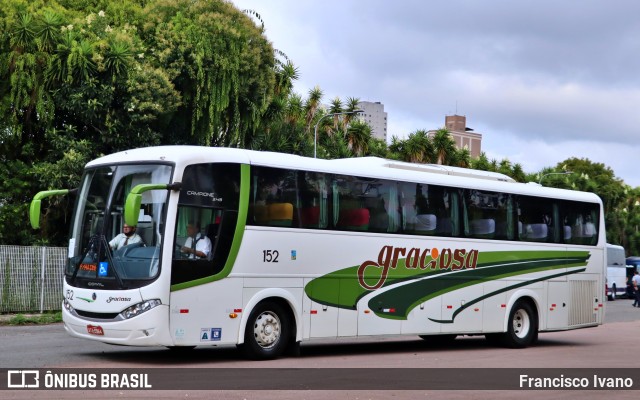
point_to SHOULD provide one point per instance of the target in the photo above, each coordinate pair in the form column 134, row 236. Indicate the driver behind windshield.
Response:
column 127, row 237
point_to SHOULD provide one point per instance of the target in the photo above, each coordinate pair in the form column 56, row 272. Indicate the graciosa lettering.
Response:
column 415, row 258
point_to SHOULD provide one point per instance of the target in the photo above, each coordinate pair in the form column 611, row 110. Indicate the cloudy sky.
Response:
column 541, row 80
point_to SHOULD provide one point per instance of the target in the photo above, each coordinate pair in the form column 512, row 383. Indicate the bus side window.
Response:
column 580, row 223
column 536, row 219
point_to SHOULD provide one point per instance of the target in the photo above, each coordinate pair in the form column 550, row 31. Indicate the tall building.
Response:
column 376, row 117
column 462, row 134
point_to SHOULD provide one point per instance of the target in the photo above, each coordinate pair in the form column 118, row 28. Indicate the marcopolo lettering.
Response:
column 416, row 258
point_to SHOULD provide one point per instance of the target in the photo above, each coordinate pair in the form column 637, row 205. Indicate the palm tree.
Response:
column 481, row 163
column 49, row 30
column 285, row 75
column 358, row 137
column 396, row 148
column 418, row 148
column 311, row 107
column 275, row 111
column 352, row 105
column 517, row 173
column 378, row 148
column 505, row 167
column 493, row 165
column 463, row 158
column 336, row 108
column 337, row 147
column 445, row 146
column 295, row 109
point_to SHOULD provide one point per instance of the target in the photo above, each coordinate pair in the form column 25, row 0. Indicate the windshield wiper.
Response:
column 90, row 247
column 110, row 260
column 95, row 256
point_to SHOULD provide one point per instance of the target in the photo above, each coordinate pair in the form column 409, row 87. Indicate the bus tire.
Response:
column 522, row 326
column 267, row 333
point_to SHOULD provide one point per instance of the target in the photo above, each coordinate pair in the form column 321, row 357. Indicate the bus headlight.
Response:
column 140, row 308
column 67, row 306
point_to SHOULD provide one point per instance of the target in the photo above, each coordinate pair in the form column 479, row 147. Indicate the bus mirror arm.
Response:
column 36, row 203
column 134, row 199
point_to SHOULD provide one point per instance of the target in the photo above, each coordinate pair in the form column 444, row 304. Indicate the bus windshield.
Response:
column 103, row 252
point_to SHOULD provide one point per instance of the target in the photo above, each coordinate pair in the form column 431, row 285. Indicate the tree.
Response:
column 311, row 107
column 481, row 163
column 629, row 212
column 418, row 148
column 220, row 62
column 504, row 167
column 378, row 148
column 597, row 178
column 444, row 147
column 518, row 173
column 83, row 78
column 462, row 158
column 359, row 137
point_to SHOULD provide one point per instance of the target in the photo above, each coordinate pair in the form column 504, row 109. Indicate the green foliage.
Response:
column 358, row 137
column 220, row 63
column 40, row 319
column 15, row 187
column 83, row 78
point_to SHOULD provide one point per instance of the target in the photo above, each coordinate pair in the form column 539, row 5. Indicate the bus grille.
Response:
column 92, row 315
column 583, row 302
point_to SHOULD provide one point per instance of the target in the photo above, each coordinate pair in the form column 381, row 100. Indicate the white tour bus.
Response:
column 616, row 271
column 289, row 249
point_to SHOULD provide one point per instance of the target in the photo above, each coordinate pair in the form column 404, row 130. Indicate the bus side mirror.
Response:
column 134, row 199
column 36, row 203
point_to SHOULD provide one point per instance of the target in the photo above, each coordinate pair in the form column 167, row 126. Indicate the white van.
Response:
column 616, row 271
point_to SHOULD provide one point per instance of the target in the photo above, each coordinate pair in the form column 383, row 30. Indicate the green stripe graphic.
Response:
column 342, row 289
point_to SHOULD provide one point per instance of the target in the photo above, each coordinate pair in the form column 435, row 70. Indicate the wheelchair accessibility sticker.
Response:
column 210, row 334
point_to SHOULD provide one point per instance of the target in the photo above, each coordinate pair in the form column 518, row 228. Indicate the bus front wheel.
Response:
column 267, row 333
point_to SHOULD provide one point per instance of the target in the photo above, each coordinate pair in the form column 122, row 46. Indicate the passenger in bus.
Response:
column 127, row 237
column 197, row 245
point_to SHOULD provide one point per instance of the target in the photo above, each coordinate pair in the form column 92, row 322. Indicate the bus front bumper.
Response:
column 147, row 329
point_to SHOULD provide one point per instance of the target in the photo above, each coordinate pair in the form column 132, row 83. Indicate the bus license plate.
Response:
column 95, row 330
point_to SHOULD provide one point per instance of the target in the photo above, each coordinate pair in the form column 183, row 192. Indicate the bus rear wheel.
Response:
column 267, row 333
column 522, row 326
